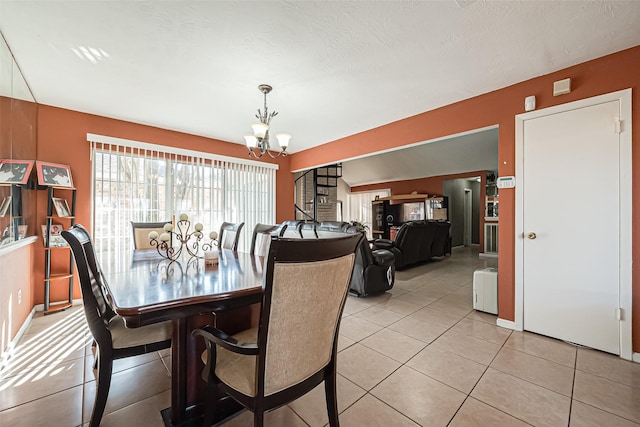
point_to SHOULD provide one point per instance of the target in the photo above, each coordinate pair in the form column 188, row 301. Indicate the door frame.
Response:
column 467, row 204
column 626, row 196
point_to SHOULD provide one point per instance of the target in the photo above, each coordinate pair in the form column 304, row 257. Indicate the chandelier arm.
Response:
column 280, row 153
column 253, row 154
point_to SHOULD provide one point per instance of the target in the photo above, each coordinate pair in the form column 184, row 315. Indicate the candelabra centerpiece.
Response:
column 189, row 242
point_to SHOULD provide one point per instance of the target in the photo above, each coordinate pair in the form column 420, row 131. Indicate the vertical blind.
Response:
column 359, row 206
column 142, row 182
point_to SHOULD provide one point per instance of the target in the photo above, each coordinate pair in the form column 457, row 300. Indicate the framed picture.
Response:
column 62, row 208
column 15, row 171
column 6, row 236
column 54, row 175
column 55, row 238
column 4, row 207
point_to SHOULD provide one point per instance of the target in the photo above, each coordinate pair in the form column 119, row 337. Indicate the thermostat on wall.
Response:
column 506, row 182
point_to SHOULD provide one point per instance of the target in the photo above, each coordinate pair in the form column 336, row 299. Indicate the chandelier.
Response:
column 258, row 143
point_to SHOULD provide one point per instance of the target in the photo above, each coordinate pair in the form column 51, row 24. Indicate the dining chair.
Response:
column 141, row 232
column 261, row 239
column 290, row 228
column 294, row 347
column 114, row 340
column 229, row 235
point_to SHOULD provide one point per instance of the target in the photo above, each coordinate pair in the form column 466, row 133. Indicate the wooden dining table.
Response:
column 145, row 288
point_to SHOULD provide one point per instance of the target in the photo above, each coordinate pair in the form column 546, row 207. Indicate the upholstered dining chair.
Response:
column 141, row 232
column 113, row 339
column 290, row 228
column 229, row 235
column 294, row 347
column 261, row 239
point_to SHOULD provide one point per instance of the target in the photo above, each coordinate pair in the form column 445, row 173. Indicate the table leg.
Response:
column 178, row 370
column 187, row 387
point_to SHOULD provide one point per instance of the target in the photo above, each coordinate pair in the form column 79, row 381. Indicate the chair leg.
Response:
column 211, row 397
column 331, row 395
column 258, row 418
column 104, row 382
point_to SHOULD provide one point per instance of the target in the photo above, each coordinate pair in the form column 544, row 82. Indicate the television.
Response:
column 413, row 211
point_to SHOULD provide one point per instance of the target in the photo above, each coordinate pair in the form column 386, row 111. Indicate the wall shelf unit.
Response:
column 55, row 247
column 491, row 217
column 390, row 212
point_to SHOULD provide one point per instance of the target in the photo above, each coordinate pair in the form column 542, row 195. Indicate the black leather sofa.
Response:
column 373, row 271
column 417, row 241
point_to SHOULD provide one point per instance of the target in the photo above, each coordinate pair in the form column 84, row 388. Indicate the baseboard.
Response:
column 636, row 357
column 40, row 307
column 8, row 352
column 509, row 324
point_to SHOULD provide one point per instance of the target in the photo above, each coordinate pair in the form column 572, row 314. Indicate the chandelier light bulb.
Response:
column 283, row 140
column 260, row 129
column 252, row 141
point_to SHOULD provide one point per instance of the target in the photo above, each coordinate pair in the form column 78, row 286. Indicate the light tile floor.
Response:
column 417, row 355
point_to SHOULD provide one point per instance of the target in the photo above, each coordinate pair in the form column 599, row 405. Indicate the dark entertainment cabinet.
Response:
column 387, row 213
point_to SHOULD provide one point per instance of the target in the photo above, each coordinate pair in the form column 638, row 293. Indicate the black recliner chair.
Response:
column 373, row 271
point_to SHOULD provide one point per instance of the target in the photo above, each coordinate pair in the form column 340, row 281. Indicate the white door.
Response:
column 571, row 226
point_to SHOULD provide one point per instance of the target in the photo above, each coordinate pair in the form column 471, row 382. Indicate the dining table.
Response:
column 145, row 288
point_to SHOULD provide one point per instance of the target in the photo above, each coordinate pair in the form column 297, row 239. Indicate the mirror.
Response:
column 18, row 123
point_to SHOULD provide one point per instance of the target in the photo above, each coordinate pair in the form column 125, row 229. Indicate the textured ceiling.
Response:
column 337, row 67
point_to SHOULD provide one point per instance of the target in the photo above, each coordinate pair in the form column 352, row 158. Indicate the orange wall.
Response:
column 16, row 267
column 603, row 75
column 62, row 138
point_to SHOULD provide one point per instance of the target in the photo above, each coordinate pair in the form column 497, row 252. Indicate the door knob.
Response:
column 531, row 235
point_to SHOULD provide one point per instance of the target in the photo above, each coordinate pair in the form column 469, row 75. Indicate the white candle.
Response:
column 168, row 227
column 213, row 235
column 153, row 235
column 165, row 237
column 184, row 217
column 199, row 227
column 197, row 234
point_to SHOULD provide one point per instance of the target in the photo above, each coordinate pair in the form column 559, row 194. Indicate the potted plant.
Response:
column 360, row 225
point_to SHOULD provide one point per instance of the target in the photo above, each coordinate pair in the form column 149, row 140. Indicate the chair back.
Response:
column 141, row 232
column 261, row 239
column 229, row 235
column 306, row 283
column 290, row 229
column 97, row 309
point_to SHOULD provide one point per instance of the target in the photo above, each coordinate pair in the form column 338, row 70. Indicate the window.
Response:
column 359, row 206
column 143, row 182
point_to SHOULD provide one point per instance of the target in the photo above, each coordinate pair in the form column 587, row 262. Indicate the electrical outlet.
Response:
column 19, row 296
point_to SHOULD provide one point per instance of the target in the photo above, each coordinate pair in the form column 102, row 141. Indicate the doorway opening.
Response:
column 464, row 210
column 468, row 217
